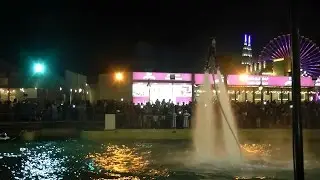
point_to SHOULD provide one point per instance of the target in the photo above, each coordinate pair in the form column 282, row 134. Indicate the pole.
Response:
column 9, row 94
column 174, row 117
column 297, row 135
column 70, row 97
column 261, row 91
column 149, row 87
column 149, row 94
column 8, row 84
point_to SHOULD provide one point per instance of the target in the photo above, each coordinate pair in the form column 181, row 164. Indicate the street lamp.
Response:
column 149, row 87
column 39, row 68
column 260, row 89
column 118, row 76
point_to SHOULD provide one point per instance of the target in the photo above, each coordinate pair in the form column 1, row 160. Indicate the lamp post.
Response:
column 149, row 86
column 260, row 89
column 8, row 84
column 314, row 79
column 70, row 97
column 39, row 69
column 118, row 76
column 88, row 92
column 119, row 79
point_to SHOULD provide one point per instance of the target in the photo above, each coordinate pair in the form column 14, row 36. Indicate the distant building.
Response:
column 247, row 54
column 251, row 65
column 282, row 66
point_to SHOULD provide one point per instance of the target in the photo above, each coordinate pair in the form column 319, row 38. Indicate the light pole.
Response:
column 70, row 97
column 8, row 76
column 149, row 88
column 39, row 69
column 260, row 89
column 118, row 76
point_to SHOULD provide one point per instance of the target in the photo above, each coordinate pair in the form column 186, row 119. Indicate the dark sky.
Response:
column 92, row 37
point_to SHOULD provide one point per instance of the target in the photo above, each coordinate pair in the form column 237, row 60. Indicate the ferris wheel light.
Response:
column 279, row 48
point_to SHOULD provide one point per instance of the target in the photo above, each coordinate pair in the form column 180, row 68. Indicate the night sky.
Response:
column 142, row 35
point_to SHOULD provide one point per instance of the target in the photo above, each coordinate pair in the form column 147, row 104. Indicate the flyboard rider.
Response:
column 212, row 68
column 220, row 120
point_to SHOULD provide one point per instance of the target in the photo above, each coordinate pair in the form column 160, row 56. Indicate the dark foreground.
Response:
column 75, row 159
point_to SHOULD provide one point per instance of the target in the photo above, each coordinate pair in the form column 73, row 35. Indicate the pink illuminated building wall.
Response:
column 152, row 86
column 178, row 87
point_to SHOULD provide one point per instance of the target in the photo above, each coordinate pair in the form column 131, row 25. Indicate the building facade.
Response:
column 142, row 87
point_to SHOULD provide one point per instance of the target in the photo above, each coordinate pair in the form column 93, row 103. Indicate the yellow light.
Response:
column 269, row 73
column 243, row 77
column 277, row 60
column 118, row 76
column 123, row 159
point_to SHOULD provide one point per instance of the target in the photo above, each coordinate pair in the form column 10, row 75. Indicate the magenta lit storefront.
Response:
column 152, row 86
column 246, row 87
column 317, row 89
column 266, row 88
column 267, row 81
column 183, row 87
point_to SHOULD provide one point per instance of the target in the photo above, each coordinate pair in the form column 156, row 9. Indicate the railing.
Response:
column 92, row 119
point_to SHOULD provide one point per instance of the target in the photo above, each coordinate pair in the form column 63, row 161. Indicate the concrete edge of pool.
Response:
column 165, row 134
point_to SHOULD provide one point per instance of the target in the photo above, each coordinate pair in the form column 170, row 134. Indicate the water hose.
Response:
column 225, row 117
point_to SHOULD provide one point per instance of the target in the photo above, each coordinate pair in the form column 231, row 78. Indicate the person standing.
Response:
column 174, row 119
column 186, row 116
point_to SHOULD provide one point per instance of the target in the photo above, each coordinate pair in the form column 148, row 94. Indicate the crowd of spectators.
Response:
column 156, row 115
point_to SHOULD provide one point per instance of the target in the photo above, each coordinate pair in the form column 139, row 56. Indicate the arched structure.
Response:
column 279, row 49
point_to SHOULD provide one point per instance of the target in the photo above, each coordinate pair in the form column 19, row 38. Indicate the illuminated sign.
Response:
column 252, row 80
column 162, row 76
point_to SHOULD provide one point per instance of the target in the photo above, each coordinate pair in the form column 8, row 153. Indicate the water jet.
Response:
column 215, row 131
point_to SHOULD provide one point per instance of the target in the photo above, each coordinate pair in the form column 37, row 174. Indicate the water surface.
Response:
column 75, row 159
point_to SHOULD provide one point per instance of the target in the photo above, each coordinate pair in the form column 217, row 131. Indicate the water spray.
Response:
column 211, row 67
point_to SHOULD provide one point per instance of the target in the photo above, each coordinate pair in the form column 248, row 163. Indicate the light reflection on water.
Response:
column 39, row 162
column 257, row 149
column 123, row 159
column 83, row 160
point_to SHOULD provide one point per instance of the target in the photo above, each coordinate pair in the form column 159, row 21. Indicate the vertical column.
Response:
column 281, row 96
column 253, row 95
column 297, row 135
column 245, row 94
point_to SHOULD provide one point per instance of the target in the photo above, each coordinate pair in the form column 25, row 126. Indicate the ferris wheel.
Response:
column 280, row 47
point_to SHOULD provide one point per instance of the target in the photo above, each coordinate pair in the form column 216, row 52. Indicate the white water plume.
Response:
column 213, row 138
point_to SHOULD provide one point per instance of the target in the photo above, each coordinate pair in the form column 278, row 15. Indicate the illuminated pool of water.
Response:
column 75, row 159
